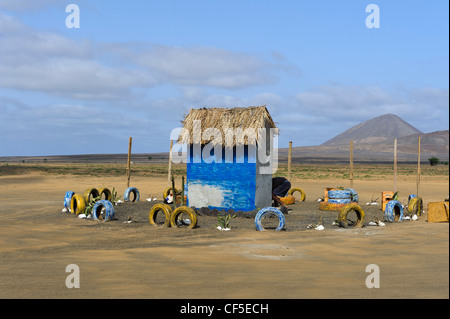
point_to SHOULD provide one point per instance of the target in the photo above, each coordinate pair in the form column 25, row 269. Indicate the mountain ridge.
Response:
column 376, row 130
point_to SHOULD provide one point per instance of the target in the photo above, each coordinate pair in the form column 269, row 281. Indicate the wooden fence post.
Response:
column 351, row 164
column 128, row 163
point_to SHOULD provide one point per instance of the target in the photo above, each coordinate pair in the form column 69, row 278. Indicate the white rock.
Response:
column 148, row 199
column 223, row 229
column 373, row 224
column 64, row 210
column 380, row 223
column 406, row 218
column 154, row 198
column 320, row 227
column 415, row 217
column 82, row 216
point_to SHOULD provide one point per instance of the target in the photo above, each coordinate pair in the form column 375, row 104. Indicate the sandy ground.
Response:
column 137, row 260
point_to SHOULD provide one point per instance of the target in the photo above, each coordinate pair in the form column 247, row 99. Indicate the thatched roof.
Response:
column 245, row 122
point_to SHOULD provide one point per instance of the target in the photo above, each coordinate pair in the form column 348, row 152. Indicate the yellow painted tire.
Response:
column 167, row 192
column 183, row 209
column 343, row 213
column 154, row 212
column 77, row 204
column 90, row 194
column 301, row 191
column 288, row 200
column 107, row 192
column 415, row 206
column 330, row 206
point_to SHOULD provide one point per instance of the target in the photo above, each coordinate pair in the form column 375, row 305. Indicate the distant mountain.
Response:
column 377, row 130
column 373, row 140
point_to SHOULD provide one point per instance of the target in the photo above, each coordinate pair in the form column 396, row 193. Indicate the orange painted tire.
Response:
column 330, row 206
column 288, row 200
column 301, row 191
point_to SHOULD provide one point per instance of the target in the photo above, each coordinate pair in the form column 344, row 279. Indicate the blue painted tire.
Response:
column 68, row 198
column 268, row 210
column 339, row 194
column 353, row 195
column 109, row 210
column 393, row 211
column 411, row 196
column 339, row 200
column 126, row 194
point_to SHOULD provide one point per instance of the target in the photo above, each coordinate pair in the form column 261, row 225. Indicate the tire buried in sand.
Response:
column 90, row 194
column 107, row 192
column 128, row 191
column 288, row 200
column 68, row 198
column 77, row 204
column 330, row 206
column 180, row 210
column 393, row 211
column 270, row 210
column 343, row 214
column 301, row 191
column 154, row 212
column 167, row 191
column 97, row 210
column 415, row 206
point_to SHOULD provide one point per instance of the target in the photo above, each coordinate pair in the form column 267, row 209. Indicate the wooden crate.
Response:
column 437, row 212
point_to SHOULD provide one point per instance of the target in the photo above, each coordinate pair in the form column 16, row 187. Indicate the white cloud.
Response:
column 28, row 5
column 50, row 63
column 206, row 66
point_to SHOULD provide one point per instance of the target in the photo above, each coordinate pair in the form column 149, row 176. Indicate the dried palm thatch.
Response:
column 226, row 126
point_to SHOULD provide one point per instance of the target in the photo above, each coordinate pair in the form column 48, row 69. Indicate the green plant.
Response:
column 114, row 197
column 224, row 221
column 395, row 197
column 91, row 205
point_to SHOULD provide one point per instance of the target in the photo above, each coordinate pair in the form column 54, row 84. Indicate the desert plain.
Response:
column 140, row 261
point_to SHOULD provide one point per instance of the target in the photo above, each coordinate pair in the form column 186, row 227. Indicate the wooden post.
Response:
column 418, row 167
column 173, row 194
column 289, row 161
column 169, row 175
column 183, row 203
column 395, row 165
column 351, row 164
column 128, row 163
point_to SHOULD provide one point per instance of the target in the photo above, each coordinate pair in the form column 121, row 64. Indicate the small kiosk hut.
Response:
column 230, row 157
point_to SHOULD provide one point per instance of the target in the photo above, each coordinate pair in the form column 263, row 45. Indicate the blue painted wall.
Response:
column 222, row 185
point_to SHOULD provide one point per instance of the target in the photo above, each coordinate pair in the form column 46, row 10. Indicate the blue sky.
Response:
column 135, row 68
